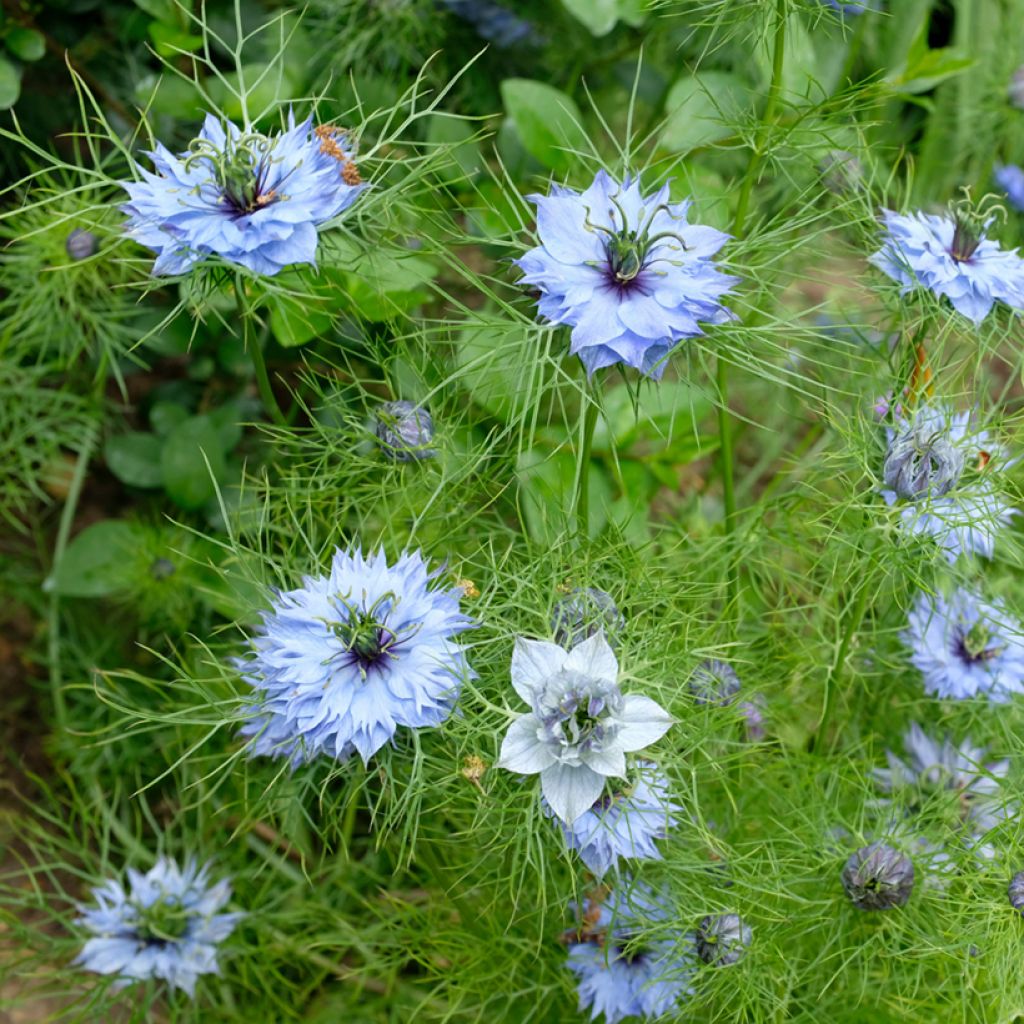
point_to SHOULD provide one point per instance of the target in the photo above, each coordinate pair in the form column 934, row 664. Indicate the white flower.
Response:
column 581, row 726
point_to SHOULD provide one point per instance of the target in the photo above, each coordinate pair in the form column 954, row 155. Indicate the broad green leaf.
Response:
column 165, row 416
column 492, row 362
column 170, row 95
column 547, row 495
column 926, row 68
column 10, row 84
column 466, row 161
column 295, row 323
column 600, row 16
column 26, row 43
column 134, row 458
column 381, row 284
column 702, row 108
column 547, row 120
column 192, row 459
column 169, row 40
column 99, row 561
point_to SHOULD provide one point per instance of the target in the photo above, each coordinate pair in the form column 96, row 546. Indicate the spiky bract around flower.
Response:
column 165, row 926
column 626, row 272
column 621, row 974
column 404, row 431
column 1010, row 178
column 953, row 258
column 349, row 658
column 714, row 682
column 878, row 877
column 584, row 612
column 624, row 823
column 580, row 726
column 255, row 200
column 966, row 647
column 935, row 768
column 722, row 939
column 941, row 471
column 1016, row 892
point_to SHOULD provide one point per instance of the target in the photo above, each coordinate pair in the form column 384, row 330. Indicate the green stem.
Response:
column 589, row 421
column 255, row 350
column 726, row 450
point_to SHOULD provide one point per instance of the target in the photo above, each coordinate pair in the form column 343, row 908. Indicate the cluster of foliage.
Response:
column 403, row 399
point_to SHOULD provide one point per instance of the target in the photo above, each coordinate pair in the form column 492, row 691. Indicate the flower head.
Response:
column 348, row 658
column 626, row 272
column 966, row 647
column 165, row 926
column 404, row 430
column 580, row 726
column 952, row 257
column 714, row 682
column 253, row 199
column 878, row 877
column 936, row 769
column 622, row 974
column 722, row 939
column 850, row 6
column 81, row 244
column 624, row 822
column 493, row 22
column 1016, row 892
column 1010, row 178
column 584, row 612
column 944, row 470
column 752, row 712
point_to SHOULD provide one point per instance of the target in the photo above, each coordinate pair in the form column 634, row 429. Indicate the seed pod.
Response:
column 81, row 244
column 877, row 877
column 584, row 612
column 404, row 430
column 922, row 461
column 1016, row 892
column 714, row 682
column 722, row 939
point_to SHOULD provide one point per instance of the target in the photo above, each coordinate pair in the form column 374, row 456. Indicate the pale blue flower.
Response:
column 627, row 273
column 493, row 22
column 166, row 925
column 950, row 256
column 961, row 507
column 851, row 6
column 255, row 200
column 621, row 972
column 1010, row 179
column 349, row 658
column 623, row 823
column 966, row 647
column 580, row 726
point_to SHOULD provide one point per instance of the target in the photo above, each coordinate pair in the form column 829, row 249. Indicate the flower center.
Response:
column 967, row 236
column 625, row 256
column 973, row 645
column 240, row 170
column 365, row 634
column 162, row 922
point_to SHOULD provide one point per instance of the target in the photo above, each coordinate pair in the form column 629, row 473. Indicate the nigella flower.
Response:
column 582, row 613
column 621, row 972
column 255, row 200
column 165, row 926
column 944, row 470
column 626, row 272
column 714, row 682
column 966, row 646
column 493, row 22
column 1015, row 892
column 952, row 257
column 878, row 877
column 722, row 939
column 1010, row 178
column 935, row 768
column 347, row 659
column 624, row 822
column 580, row 726
column 404, row 431
column 850, row 6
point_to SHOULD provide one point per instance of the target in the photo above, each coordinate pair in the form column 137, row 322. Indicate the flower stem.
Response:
column 589, row 421
column 253, row 347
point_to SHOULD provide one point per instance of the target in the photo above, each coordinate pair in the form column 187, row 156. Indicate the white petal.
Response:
column 607, row 762
column 522, row 750
column 594, row 658
column 533, row 663
column 642, row 722
column 570, row 790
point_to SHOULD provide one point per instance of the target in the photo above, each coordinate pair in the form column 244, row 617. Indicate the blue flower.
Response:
column 1010, row 179
column 967, row 515
column 493, row 22
column 851, row 6
column 580, row 726
column 350, row 657
column 255, row 200
column 621, row 972
column 165, row 926
column 629, row 274
column 624, row 823
column 714, row 682
column 966, row 647
column 951, row 256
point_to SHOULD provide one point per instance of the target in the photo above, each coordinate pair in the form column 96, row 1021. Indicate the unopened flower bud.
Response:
column 722, row 939
column 753, row 717
column 922, row 461
column 714, row 682
column 81, row 244
column 584, row 612
column 162, row 568
column 877, row 877
column 404, row 430
column 1016, row 892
